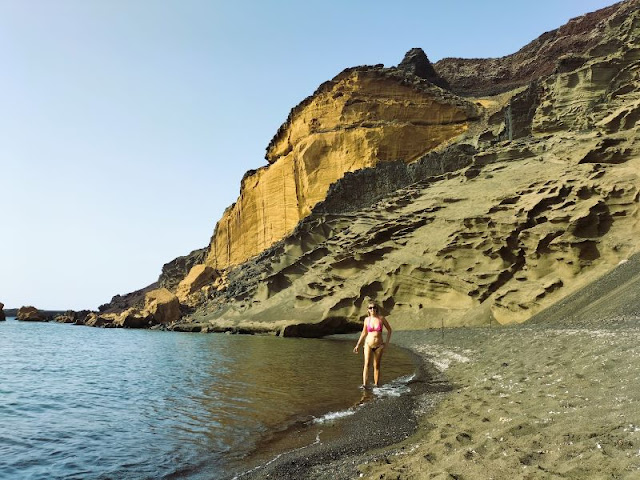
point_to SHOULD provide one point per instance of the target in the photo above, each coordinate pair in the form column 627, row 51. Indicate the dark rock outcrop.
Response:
column 120, row 303
column 556, row 51
column 417, row 63
column 174, row 271
column 71, row 316
column 31, row 314
column 2, row 316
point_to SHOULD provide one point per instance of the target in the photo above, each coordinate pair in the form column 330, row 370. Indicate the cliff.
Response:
column 363, row 117
column 385, row 186
column 562, row 49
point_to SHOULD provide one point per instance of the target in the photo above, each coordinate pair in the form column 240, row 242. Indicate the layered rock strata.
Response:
column 446, row 211
column 532, row 201
column 363, row 117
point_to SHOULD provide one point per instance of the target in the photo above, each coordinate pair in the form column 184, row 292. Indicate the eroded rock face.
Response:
column 363, row 117
column 2, row 316
column 533, row 201
column 30, row 314
column 176, row 270
column 444, row 211
column 71, row 316
column 565, row 48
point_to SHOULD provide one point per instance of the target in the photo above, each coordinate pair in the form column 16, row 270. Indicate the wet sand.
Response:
column 379, row 420
column 529, row 402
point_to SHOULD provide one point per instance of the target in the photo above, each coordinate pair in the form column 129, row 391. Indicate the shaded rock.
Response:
column 199, row 276
column 162, row 305
column 134, row 318
column 328, row 326
column 558, row 50
column 31, row 314
column 71, row 316
column 120, row 303
column 2, row 315
column 95, row 320
column 176, row 270
column 417, row 63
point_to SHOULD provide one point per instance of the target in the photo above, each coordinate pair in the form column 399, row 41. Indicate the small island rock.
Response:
column 30, row 314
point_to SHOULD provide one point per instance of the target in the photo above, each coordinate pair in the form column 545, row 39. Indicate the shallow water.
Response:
column 79, row 402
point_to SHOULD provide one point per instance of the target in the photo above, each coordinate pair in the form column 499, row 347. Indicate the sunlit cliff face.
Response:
column 359, row 119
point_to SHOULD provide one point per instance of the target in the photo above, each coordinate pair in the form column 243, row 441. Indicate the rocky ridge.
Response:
column 445, row 210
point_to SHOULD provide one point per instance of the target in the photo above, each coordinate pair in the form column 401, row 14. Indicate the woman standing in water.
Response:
column 373, row 345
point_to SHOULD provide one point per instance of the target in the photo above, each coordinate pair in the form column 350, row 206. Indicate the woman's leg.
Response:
column 365, row 372
column 377, row 358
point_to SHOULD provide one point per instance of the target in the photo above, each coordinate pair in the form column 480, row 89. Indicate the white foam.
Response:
column 440, row 357
column 331, row 416
column 395, row 388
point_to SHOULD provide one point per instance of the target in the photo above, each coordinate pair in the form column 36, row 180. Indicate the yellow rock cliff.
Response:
column 361, row 118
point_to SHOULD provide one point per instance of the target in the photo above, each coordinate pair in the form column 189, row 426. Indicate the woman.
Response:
column 372, row 329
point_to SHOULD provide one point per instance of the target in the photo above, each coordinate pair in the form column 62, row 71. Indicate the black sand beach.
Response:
column 379, row 421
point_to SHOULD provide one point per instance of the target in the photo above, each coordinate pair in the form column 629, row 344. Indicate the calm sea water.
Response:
column 88, row 403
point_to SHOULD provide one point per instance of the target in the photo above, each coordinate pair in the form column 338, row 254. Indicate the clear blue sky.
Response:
column 126, row 125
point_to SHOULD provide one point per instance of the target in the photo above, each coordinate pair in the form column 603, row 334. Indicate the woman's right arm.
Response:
column 362, row 335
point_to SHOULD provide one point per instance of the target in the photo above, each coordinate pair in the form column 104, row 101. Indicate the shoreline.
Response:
column 552, row 400
column 379, row 422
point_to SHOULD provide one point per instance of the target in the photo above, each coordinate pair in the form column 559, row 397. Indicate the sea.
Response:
column 89, row 403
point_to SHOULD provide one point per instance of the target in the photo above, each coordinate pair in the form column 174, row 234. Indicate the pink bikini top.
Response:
column 374, row 329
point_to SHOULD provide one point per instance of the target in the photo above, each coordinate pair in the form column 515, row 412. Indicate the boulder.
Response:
column 30, row 314
column 162, row 305
column 199, row 276
column 95, row 320
column 134, row 318
column 71, row 316
column 2, row 316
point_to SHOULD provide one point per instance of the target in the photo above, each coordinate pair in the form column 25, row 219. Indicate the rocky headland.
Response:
column 460, row 193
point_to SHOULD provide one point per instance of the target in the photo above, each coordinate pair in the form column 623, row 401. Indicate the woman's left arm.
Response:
column 388, row 327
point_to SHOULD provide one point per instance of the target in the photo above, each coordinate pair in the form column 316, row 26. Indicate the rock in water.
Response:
column 2, row 316
column 30, row 314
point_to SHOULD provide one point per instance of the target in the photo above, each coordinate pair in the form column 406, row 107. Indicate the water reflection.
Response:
column 95, row 403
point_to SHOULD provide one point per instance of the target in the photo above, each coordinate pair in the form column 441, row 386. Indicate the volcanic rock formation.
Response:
column 445, row 210
column 31, row 314
column 363, row 117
